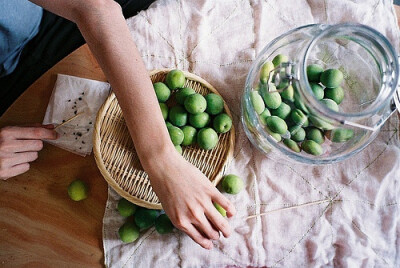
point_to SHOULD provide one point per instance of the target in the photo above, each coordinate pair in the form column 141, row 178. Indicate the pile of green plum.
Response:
column 189, row 114
column 286, row 118
column 140, row 219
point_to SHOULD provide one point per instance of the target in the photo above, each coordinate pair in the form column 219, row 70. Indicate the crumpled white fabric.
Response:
column 218, row 40
column 73, row 96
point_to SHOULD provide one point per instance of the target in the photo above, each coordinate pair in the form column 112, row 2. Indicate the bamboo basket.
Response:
column 119, row 164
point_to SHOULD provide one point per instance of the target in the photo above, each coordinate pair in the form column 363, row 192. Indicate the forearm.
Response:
column 110, row 41
column 108, row 37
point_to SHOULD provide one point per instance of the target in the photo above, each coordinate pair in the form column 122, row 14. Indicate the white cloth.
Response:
column 75, row 96
column 218, row 40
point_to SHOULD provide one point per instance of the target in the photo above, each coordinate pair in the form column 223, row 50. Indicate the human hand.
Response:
column 20, row 145
column 187, row 197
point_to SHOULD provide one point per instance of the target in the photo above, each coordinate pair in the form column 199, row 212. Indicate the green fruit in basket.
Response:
column 199, row 120
column 274, row 135
column 175, row 79
column 271, row 97
column 315, row 134
column 162, row 91
column 182, row 93
column 195, row 103
column 282, row 111
column 145, row 218
column 257, row 101
column 163, row 224
column 336, row 94
column 220, row 209
column 164, row 110
column 178, row 116
column 222, row 123
column 168, row 124
column 311, row 147
column 215, row 104
column 265, row 71
column 264, row 115
column 176, row 135
column 341, row 134
column 298, row 117
column 297, row 133
column 126, row 208
column 314, row 72
column 330, row 104
column 78, row 190
column 178, row 148
column 277, row 125
column 207, row 138
column 288, row 93
column 320, row 123
column 331, row 78
column 280, row 58
column 317, row 90
column 189, row 134
column 232, row 184
column 128, row 232
column 292, row 145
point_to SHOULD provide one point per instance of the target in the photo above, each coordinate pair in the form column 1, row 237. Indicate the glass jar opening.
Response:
column 369, row 66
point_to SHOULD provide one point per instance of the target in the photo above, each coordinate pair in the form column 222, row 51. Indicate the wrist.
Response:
column 156, row 154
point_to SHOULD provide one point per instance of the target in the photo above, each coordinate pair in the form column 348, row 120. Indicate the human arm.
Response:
column 185, row 193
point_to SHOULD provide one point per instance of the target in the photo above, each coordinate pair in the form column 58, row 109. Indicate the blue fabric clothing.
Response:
column 19, row 23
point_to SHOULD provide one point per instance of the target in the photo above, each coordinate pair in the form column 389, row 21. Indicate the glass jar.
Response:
column 298, row 66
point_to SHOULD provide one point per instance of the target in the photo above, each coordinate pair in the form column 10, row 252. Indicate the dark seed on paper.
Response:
column 83, row 142
column 69, row 100
column 74, row 102
column 88, row 129
column 63, row 121
column 79, row 134
column 75, row 112
column 90, row 123
column 76, row 138
column 80, row 98
column 80, row 147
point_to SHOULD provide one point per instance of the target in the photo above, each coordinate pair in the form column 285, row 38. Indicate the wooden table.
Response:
column 39, row 225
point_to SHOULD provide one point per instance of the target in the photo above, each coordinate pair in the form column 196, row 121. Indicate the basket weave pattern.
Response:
column 119, row 164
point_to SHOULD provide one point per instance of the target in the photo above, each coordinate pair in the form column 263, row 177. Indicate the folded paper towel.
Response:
column 77, row 99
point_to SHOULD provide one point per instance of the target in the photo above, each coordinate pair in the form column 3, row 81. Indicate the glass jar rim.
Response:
column 381, row 41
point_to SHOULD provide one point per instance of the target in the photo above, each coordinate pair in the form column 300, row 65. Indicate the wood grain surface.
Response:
column 39, row 225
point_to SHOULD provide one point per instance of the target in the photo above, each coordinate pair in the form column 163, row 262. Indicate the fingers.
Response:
column 21, row 158
column 225, row 203
column 218, row 221
column 205, row 226
column 7, row 161
column 197, row 236
column 17, row 146
column 14, row 171
column 29, row 133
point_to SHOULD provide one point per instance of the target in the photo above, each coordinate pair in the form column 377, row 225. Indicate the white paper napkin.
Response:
column 75, row 96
